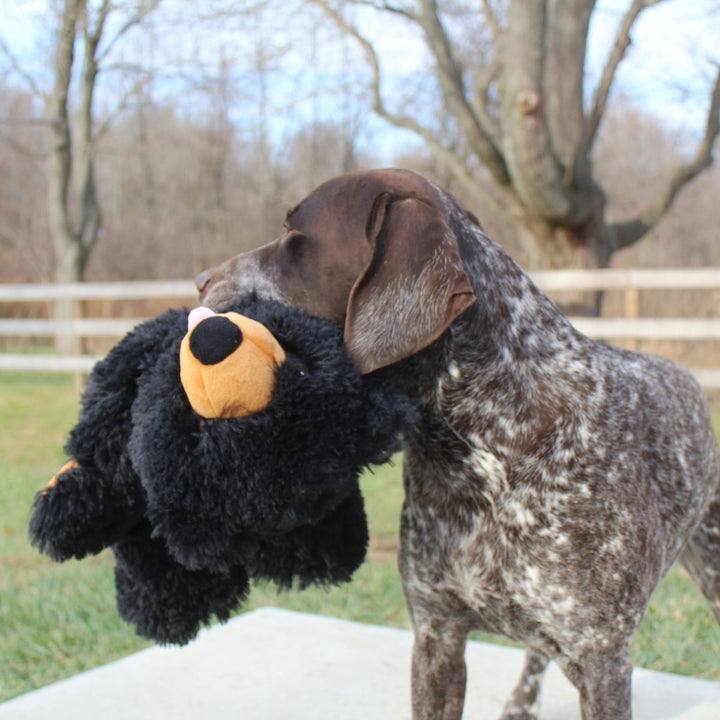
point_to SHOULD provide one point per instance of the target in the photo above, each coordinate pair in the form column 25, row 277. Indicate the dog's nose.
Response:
column 215, row 339
column 203, row 281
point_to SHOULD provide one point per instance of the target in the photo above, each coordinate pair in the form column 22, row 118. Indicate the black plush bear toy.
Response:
column 215, row 448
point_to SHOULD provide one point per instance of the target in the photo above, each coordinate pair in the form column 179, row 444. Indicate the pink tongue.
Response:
column 198, row 315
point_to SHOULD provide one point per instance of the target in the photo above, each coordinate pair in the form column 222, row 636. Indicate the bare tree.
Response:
column 73, row 240
column 73, row 202
column 514, row 88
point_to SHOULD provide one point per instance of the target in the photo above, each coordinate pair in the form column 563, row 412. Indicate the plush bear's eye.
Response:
column 298, row 366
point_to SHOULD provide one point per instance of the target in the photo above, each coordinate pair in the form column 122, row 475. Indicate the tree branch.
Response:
column 444, row 155
column 20, row 148
column 90, row 217
column 17, row 68
column 122, row 104
column 371, row 56
column 451, row 83
column 563, row 81
column 627, row 233
column 388, row 7
column 617, row 53
column 486, row 76
column 537, row 175
column 481, row 141
column 61, row 154
column 492, row 21
column 143, row 11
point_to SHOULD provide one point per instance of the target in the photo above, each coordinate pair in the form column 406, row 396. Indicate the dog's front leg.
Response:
column 603, row 678
column 438, row 670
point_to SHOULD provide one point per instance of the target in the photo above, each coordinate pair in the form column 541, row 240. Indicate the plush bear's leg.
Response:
column 325, row 553
column 165, row 601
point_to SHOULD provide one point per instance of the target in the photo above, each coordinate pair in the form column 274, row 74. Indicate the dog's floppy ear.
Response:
column 412, row 289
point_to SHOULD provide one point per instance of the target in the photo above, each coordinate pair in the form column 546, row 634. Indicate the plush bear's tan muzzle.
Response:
column 228, row 363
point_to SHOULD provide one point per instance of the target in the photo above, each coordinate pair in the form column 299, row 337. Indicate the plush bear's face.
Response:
column 228, row 363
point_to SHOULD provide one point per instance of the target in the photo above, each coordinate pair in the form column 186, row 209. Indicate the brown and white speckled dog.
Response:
column 552, row 479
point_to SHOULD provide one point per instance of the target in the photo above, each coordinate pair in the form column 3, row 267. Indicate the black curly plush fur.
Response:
column 193, row 508
column 163, row 599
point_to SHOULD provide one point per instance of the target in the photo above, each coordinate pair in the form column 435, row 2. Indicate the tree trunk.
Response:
column 68, row 263
column 68, row 269
column 549, row 246
column 72, row 241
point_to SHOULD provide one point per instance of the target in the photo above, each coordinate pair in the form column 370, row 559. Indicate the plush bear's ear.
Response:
column 227, row 364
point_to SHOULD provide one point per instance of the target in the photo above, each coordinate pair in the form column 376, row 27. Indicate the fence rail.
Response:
column 629, row 278
column 100, row 327
column 98, row 291
column 631, row 327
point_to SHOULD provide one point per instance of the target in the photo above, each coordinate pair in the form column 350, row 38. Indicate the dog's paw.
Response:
column 521, row 709
column 517, row 713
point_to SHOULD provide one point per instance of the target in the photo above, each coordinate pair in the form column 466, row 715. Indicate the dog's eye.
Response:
column 293, row 242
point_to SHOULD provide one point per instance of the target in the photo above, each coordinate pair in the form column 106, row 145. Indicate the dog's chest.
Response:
column 506, row 558
column 496, row 512
column 474, row 529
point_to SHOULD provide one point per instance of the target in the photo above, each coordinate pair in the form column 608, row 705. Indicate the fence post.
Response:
column 632, row 311
column 78, row 346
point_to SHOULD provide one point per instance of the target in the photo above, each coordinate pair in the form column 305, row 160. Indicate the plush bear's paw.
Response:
column 326, row 553
column 77, row 515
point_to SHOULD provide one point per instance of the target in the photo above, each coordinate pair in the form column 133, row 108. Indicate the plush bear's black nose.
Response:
column 214, row 339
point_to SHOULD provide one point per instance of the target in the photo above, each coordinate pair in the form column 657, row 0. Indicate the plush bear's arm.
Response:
column 97, row 497
column 80, row 513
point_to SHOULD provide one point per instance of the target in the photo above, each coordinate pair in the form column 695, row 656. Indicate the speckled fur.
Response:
column 551, row 482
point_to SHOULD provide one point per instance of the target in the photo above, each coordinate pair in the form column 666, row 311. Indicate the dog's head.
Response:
column 369, row 250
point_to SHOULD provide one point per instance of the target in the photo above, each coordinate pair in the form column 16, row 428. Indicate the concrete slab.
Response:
column 274, row 664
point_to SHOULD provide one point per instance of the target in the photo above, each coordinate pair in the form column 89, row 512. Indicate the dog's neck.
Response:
column 511, row 317
column 496, row 366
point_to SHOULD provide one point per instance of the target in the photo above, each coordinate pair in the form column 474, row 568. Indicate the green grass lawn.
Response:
column 58, row 620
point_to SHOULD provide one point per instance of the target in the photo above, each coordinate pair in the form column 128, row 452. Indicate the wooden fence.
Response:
column 629, row 327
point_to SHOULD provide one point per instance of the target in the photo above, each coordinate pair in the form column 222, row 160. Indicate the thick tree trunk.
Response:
column 549, row 246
